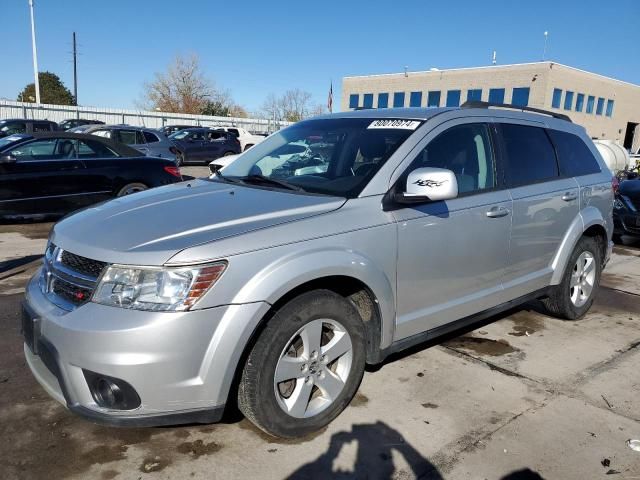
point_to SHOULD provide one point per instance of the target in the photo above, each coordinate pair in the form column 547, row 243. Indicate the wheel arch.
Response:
column 589, row 222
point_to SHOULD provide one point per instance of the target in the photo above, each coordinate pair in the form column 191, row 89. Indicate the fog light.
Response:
column 108, row 393
column 112, row 393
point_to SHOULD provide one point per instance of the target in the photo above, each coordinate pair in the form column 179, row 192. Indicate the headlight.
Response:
column 157, row 289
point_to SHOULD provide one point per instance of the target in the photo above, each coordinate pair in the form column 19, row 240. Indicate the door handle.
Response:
column 569, row 196
column 497, row 212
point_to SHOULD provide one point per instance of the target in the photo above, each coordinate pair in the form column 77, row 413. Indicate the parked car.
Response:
column 80, row 128
column 50, row 174
column 247, row 140
column 145, row 140
column 280, row 287
column 168, row 130
column 77, row 122
column 202, row 145
column 13, row 126
column 626, row 210
column 306, row 159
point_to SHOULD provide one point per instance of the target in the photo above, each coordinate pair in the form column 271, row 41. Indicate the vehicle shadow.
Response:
column 375, row 444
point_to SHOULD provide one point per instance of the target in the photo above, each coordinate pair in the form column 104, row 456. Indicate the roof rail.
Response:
column 478, row 104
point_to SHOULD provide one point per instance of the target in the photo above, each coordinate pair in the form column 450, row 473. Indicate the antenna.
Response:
column 493, row 60
column 544, row 51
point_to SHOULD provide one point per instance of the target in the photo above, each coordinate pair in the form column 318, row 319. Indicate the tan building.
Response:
column 606, row 107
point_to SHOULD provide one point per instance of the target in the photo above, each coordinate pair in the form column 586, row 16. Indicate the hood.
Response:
column 630, row 188
column 149, row 227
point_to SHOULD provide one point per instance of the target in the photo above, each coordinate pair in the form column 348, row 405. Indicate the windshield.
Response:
column 6, row 141
column 180, row 134
column 336, row 156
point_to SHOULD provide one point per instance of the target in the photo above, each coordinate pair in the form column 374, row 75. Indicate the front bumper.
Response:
column 627, row 223
column 181, row 364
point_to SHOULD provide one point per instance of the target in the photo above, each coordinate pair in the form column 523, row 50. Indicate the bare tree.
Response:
column 183, row 88
column 293, row 106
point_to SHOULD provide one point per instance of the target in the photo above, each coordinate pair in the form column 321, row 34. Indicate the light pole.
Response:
column 544, row 51
column 35, row 53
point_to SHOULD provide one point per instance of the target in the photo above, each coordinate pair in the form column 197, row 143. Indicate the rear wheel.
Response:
column 131, row 188
column 226, row 154
column 179, row 159
column 305, row 366
column 573, row 297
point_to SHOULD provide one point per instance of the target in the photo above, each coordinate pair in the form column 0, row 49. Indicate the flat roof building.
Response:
column 606, row 107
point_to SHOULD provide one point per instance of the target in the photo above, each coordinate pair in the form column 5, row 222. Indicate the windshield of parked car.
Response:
column 333, row 156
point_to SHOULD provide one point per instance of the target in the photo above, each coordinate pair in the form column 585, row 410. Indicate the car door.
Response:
column 40, row 180
column 544, row 205
column 452, row 254
column 101, row 167
column 197, row 146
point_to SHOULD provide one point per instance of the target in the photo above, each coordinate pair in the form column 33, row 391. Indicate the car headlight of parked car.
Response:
column 157, row 289
column 624, row 203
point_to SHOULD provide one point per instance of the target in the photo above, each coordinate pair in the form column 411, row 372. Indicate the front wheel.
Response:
column 305, row 366
column 573, row 297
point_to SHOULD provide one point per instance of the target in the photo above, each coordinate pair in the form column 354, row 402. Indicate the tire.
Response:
column 226, row 154
column 572, row 302
column 179, row 159
column 289, row 334
column 131, row 188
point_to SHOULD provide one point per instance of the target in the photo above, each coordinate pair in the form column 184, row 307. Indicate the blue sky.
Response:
column 256, row 48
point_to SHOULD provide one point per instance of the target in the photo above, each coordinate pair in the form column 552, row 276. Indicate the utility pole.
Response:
column 35, row 53
column 75, row 75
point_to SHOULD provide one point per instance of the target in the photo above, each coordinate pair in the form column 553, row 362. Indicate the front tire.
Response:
column 573, row 297
column 305, row 366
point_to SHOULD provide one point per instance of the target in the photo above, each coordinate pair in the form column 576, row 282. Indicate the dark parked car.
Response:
column 171, row 129
column 78, row 122
column 12, row 126
column 202, row 145
column 626, row 210
column 46, row 174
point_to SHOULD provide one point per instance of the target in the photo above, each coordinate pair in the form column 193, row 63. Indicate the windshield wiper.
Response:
column 225, row 178
column 272, row 181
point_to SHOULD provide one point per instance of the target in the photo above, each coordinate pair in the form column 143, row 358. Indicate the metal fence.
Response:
column 142, row 118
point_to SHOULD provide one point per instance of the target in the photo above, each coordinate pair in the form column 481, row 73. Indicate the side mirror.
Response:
column 8, row 159
column 429, row 185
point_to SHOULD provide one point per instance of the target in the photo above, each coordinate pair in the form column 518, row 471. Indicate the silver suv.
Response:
column 274, row 283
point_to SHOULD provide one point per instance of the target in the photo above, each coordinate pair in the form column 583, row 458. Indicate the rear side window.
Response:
column 42, row 127
column 88, row 149
column 234, row 131
column 150, row 137
column 128, row 137
column 574, row 157
column 530, row 157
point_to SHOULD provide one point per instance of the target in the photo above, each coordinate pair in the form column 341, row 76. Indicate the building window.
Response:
column 520, row 97
column 496, row 95
column 579, row 102
column 568, row 100
column 453, row 98
column 398, row 99
column 557, row 98
column 367, row 101
column 383, row 100
column 600, row 106
column 474, row 95
column 415, row 99
column 354, row 98
column 609, row 108
column 433, row 99
column 590, row 100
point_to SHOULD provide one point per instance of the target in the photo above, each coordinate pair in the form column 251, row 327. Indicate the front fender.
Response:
column 286, row 273
column 588, row 217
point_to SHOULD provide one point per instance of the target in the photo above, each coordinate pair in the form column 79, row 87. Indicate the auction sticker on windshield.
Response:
column 395, row 123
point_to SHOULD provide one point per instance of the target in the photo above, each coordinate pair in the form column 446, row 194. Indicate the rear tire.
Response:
column 179, row 159
column 305, row 366
column 226, row 154
column 573, row 297
column 131, row 188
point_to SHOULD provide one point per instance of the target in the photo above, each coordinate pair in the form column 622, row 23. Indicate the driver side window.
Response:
column 466, row 151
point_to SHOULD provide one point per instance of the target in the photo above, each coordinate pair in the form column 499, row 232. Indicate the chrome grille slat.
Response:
column 69, row 279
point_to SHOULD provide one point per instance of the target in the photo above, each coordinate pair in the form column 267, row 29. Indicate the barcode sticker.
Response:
column 395, row 123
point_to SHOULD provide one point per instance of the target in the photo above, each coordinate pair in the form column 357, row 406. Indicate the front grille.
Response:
column 83, row 265
column 71, row 292
column 69, row 279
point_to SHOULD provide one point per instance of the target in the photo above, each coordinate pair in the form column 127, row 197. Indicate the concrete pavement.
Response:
column 521, row 396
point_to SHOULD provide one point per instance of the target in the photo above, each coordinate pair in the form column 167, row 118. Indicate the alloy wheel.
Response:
column 583, row 278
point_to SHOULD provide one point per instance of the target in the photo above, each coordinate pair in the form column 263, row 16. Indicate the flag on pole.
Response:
column 330, row 99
